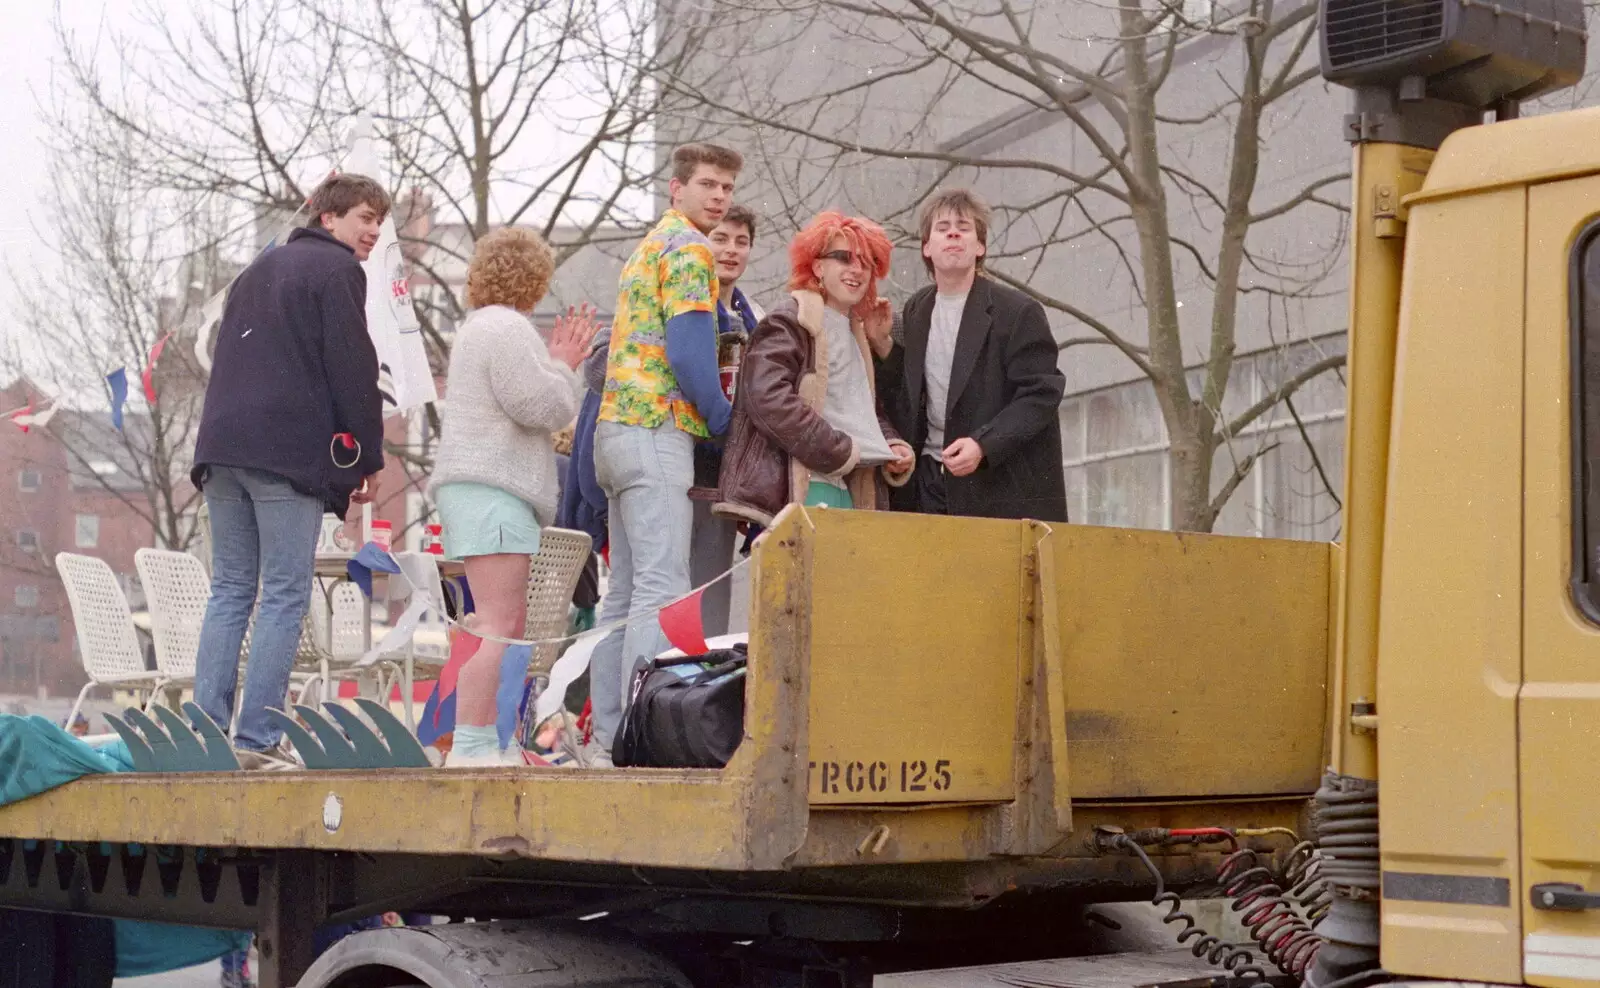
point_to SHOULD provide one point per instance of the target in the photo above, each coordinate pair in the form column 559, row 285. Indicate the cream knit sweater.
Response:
column 504, row 398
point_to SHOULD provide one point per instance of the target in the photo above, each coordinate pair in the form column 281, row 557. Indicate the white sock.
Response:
column 472, row 742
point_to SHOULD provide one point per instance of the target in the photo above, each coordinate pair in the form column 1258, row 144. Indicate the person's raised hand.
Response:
column 962, row 457
column 569, row 339
column 879, row 326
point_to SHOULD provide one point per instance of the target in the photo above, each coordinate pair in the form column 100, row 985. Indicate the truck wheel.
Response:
column 480, row 955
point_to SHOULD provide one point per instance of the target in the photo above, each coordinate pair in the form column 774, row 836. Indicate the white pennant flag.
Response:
column 404, row 376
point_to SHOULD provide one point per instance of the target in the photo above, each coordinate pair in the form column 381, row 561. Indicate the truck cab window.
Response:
column 1585, row 350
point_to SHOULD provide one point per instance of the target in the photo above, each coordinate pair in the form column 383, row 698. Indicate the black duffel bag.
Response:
column 692, row 720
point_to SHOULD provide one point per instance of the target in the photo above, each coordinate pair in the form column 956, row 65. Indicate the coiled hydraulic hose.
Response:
column 1236, row 960
column 1271, row 916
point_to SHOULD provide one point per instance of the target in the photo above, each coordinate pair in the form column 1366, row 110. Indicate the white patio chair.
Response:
column 332, row 638
column 176, row 588
column 552, row 578
column 107, row 645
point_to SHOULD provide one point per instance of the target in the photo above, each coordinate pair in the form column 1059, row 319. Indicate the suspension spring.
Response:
column 1302, row 875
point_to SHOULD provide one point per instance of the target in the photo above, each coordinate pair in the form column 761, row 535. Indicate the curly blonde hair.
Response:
column 511, row 266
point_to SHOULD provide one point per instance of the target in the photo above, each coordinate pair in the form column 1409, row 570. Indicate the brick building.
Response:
column 69, row 487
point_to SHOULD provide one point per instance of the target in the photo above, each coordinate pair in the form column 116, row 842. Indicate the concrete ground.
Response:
column 202, row 976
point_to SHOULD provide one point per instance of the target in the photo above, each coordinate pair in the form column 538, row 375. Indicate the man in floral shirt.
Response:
column 662, row 393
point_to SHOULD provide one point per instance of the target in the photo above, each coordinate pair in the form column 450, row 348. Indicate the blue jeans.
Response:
column 262, row 530
column 646, row 475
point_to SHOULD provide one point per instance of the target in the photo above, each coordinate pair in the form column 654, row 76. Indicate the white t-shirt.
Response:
column 941, row 358
column 849, row 406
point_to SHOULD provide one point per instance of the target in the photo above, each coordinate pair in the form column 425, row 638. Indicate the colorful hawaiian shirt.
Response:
column 670, row 273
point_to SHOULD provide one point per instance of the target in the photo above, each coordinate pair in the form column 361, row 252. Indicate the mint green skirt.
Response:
column 826, row 494
column 479, row 520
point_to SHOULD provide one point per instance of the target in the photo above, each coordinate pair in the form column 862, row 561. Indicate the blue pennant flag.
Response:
column 118, row 382
column 508, row 698
column 438, row 719
column 371, row 557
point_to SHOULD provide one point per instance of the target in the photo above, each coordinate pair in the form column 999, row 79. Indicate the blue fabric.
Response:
column 117, row 381
column 36, row 756
column 483, row 520
column 692, row 352
column 371, row 557
column 582, row 506
column 155, row 948
column 429, row 732
column 508, row 697
column 741, row 305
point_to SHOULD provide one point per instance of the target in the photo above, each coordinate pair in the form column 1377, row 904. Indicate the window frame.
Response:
column 38, row 480
column 17, row 595
column 1582, row 589
column 27, row 531
column 77, row 530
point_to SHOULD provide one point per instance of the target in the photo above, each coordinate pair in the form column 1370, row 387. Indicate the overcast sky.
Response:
column 25, row 69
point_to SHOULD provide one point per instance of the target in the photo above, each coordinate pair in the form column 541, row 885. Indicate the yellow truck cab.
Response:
column 964, row 736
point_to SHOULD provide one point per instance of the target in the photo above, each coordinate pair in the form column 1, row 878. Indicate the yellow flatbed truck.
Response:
column 961, row 733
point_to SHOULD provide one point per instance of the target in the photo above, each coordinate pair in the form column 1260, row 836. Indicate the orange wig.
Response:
column 863, row 237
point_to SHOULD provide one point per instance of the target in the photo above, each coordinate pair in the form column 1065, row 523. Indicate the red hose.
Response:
column 1218, row 832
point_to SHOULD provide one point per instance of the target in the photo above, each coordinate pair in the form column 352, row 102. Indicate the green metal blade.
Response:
column 187, row 747
column 219, row 753
column 161, row 746
column 405, row 751
column 338, row 748
column 144, row 759
column 310, row 751
column 369, row 751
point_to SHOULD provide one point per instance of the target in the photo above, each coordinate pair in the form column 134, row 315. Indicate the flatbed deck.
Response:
column 973, row 696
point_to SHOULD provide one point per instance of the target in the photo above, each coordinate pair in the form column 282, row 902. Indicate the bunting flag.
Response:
column 438, row 717
column 32, row 418
column 463, row 646
column 508, row 698
column 405, row 377
column 117, row 381
column 681, row 623
column 22, row 417
column 150, row 368
column 361, row 566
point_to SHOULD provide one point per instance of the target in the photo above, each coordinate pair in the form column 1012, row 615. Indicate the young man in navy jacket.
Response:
column 294, row 368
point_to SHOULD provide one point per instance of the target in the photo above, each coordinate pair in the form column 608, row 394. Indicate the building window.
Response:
column 1116, row 451
column 86, row 532
column 26, row 596
column 27, row 540
column 28, row 481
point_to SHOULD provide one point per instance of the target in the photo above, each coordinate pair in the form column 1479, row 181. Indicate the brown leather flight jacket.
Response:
column 779, row 437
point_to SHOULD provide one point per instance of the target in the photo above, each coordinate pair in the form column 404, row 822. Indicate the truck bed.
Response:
column 931, row 691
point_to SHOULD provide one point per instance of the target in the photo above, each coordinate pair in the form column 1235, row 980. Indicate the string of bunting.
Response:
column 680, row 621
column 373, row 557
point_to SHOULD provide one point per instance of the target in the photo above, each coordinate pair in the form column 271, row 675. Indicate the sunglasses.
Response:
column 843, row 257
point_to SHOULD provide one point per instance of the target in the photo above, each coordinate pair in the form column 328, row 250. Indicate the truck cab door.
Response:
column 1559, row 701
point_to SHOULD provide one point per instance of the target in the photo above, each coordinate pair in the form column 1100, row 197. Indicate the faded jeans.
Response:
column 262, row 531
column 714, row 540
column 646, row 475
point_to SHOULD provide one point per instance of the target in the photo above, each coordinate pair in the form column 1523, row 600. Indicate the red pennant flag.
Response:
column 150, row 368
column 463, row 646
column 22, row 418
column 681, row 623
